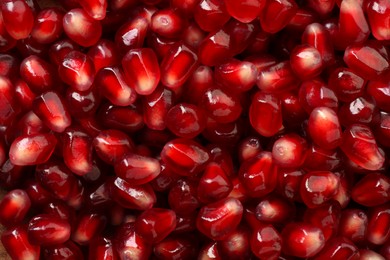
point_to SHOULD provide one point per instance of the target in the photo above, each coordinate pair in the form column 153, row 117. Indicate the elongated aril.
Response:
column 141, row 70
column 276, row 14
column 317, row 36
column 132, row 34
column 245, row 11
column 306, row 62
column 315, row 93
column 289, row 151
column 66, row 250
column 378, row 229
column 378, row 13
column 95, row 8
column 379, row 187
column 266, row 242
column 6, row 40
column 211, row 15
column 338, row 247
column 353, row 225
column 275, row 209
column 182, row 197
column 48, row 25
column 18, row 18
column 8, row 108
column 87, row 227
column 104, row 54
column 32, row 149
column 177, row 247
column 17, row 244
column 346, row 84
column 360, row 146
column 14, row 207
column 128, row 119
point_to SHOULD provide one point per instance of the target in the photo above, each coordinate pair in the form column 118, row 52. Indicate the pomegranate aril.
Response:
column 359, row 111
column 18, row 18
column 289, row 151
column 130, row 196
column 193, row 35
column 48, row 25
column 314, row 93
column 379, row 187
column 276, row 14
column 379, row 91
column 141, row 70
column 8, row 108
column 32, row 149
column 177, row 247
column 236, row 245
column 37, row 194
column 24, row 95
column 17, row 245
column 132, row 34
column 155, row 224
column 182, row 197
column 346, row 84
column 77, row 70
column 353, row 225
column 217, row 220
column 95, row 8
column 46, row 230
column 302, row 239
column 245, row 11
column 101, row 248
column 14, row 207
column 6, row 40
column 168, row 23
column 366, row 254
column 323, row 8
column 67, row 250
column 378, row 229
column 359, row 145
column 184, row 156
column 104, row 54
column 378, row 12
column 259, row 175
column 88, row 227
column 211, row 15
column 9, row 65
column 265, row 114
column 266, row 243
column 60, row 49
column 274, row 209
column 338, row 248
column 209, row 252
column 82, row 104
column 81, row 28
column 306, row 62
column 249, row 148
column 59, row 210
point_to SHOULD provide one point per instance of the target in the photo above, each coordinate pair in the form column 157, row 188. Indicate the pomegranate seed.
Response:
column 209, row 252
column 217, row 220
column 141, row 70
column 37, row 194
column 18, row 18
column 101, row 248
column 128, row 244
column 60, row 49
column 67, row 250
column 193, row 35
column 14, row 207
column 306, row 62
column 82, row 104
column 104, row 54
column 132, row 34
column 6, row 40
column 259, row 175
column 77, row 70
column 17, row 245
column 314, row 93
column 360, row 147
column 214, row 184
column 182, row 197
column 323, row 8
column 249, row 148
column 185, row 157
column 381, row 130
column 155, row 224
column 288, row 183
column 185, row 120
column 95, row 8
column 9, row 65
column 378, row 18
column 48, row 25
column 324, row 128
column 302, row 239
column 378, row 91
column 318, row 187
column 366, row 254
column 88, row 227
column 360, row 110
column 131, row 196
column 346, row 84
column 24, row 95
column 167, row 23
column 275, row 210
column 276, row 14
column 33, row 149
column 48, row 230
column 269, row 107
column 236, row 245
column 266, row 242
column 378, row 225
column 179, row 247
column 81, row 28
column 379, row 187
column 60, row 210
column 339, row 248
column 245, row 12
column 289, row 151
column 211, row 15
column 8, row 107
column 353, row 225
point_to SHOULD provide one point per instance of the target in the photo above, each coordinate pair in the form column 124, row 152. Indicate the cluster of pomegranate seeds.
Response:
column 195, row 129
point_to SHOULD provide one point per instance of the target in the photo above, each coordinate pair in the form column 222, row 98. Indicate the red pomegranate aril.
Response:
column 338, row 248
column 32, row 149
column 95, row 8
column 182, row 197
column 132, row 34
column 224, row 134
column 359, row 111
column 325, row 217
column 111, row 145
column 367, row 61
column 346, row 84
column 128, row 244
column 77, row 70
column 259, row 175
column 302, row 18
column 288, row 183
column 366, row 254
column 38, row 74
column 248, row 148
column 265, row 114
column 323, row 8
column 185, row 157
column 185, row 224
column 266, row 243
column 177, row 247
column 141, row 70
column 82, row 104
column 214, row 184
column 8, row 108
column 276, row 14
column 120, row 5
column 156, row 106
column 46, row 230
column 306, row 62
column 9, row 65
column 302, row 239
column 29, row 46
column 381, row 129
column 274, row 209
column 217, row 220
column 60, row 210
column 314, row 93
column 77, row 151
column 193, row 35
column 324, row 128
column 245, row 12
column 24, row 95
column 130, row 196
column 60, row 49
column 81, row 28
column 101, row 248
column 379, row 187
column 353, row 225
column 17, row 245
column 30, row 124
column 322, row 159
column 48, row 25
column 209, row 252
column 318, row 187
column 104, row 54
column 211, row 15
column 37, row 194
column 277, row 78
column 67, row 250
column 378, row 12
column 236, row 245
column 185, row 120
column 6, row 40
column 289, row 151
column 178, row 65
column 155, row 224
column 168, row 23
column 378, row 229
column 223, row 158
column 379, row 91
column 359, row 146
column 88, row 227
column 14, row 207
column 18, row 18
